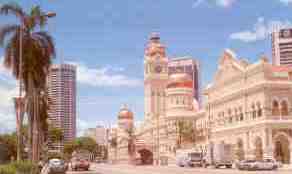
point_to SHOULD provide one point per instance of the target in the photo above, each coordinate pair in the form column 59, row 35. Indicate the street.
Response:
column 127, row 169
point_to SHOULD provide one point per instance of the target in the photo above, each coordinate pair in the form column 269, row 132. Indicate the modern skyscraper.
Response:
column 62, row 97
column 282, row 47
column 189, row 66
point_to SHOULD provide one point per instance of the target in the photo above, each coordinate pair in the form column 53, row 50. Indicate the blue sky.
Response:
column 106, row 39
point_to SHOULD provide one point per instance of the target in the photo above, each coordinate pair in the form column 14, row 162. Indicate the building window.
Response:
column 230, row 119
column 275, row 108
column 241, row 116
column 284, row 108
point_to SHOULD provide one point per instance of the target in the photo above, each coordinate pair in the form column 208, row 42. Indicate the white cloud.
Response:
column 7, row 122
column 100, row 77
column 219, row 3
column 8, row 90
column 261, row 30
column 197, row 3
column 225, row 3
column 286, row 2
column 83, row 125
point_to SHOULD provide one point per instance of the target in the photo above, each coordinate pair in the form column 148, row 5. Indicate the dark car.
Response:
column 80, row 164
column 57, row 166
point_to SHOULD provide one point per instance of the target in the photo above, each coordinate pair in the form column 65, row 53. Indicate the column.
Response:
column 268, row 143
column 249, row 152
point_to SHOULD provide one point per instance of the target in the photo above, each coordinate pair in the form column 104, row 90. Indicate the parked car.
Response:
column 181, row 161
column 247, row 165
column 57, row 166
column 78, row 164
column 266, row 164
column 191, row 159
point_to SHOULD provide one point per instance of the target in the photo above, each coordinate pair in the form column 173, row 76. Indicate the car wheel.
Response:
column 229, row 166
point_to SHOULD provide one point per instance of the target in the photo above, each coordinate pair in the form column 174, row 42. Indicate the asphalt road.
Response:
column 127, row 169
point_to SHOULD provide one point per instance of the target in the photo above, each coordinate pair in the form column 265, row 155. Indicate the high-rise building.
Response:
column 282, row 47
column 189, row 66
column 101, row 135
column 62, row 97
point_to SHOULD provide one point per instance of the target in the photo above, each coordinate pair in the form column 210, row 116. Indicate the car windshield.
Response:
column 249, row 161
column 195, row 156
column 55, row 162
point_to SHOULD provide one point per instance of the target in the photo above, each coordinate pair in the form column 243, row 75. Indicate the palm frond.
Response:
column 7, row 31
column 12, row 8
column 38, row 17
column 47, row 42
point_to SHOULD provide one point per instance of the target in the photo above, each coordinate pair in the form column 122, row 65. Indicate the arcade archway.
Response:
column 146, row 156
column 258, row 148
column 281, row 149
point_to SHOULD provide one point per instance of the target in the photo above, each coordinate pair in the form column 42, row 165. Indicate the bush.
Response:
column 7, row 169
column 22, row 167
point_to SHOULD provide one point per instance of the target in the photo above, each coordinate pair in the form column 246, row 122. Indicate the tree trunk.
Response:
column 35, row 137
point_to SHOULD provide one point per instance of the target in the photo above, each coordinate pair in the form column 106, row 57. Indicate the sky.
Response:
column 106, row 40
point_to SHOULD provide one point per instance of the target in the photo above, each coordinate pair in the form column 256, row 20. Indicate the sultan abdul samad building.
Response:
column 247, row 105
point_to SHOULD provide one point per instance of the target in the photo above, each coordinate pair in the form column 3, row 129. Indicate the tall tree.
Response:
column 37, row 50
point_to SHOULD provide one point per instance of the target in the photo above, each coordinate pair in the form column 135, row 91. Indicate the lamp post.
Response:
column 20, row 110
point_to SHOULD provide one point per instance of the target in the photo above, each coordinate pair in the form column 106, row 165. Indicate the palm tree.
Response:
column 37, row 50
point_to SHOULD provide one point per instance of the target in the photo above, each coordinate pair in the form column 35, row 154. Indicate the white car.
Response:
column 266, row 164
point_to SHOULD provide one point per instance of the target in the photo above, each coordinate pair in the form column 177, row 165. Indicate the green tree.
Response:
column 185, row 131
column 9, row 142
column 81, row 143
column 37, row 50
column 56, row 134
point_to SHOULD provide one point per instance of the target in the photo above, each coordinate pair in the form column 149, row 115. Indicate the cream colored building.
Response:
column 247, row 105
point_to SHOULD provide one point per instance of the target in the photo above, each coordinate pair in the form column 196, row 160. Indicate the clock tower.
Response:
column 155, row 78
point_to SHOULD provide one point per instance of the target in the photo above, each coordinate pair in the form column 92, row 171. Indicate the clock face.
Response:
column 158, row 69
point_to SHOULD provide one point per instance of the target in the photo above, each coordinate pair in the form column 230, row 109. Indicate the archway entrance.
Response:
column 258, row 149
column 239, row 150
column 146, row 156
column 281, row 150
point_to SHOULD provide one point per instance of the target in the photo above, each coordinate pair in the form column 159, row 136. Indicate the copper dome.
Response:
column 180, row 80
column 125, row 113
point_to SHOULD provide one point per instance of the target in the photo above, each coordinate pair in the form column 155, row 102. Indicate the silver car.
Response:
column 57, row 166
column 266, row 164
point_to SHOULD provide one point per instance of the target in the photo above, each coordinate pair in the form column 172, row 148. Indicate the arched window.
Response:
column 254, row 112
column 241, row 117
column 284, row 108
column 259, row 110
column 275, row 108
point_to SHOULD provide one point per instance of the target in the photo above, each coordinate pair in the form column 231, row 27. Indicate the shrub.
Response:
column 21, row 167
column 7, row 169
column 25, row 167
